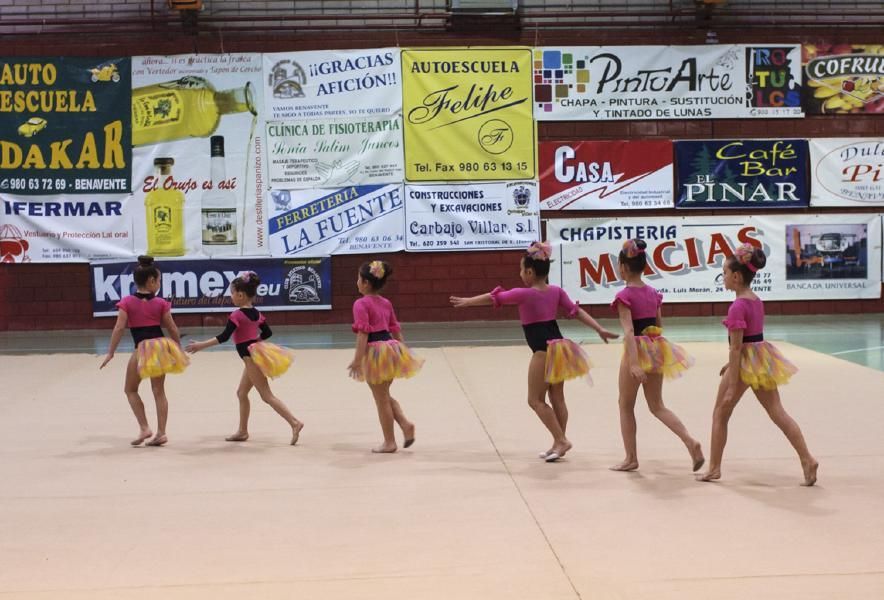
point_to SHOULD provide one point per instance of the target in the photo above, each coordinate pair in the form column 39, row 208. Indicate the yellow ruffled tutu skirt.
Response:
column 388, row 360
column 273, row 360
column 566, row 360
column 659, row 356
column 763, row 367
column 159, row 356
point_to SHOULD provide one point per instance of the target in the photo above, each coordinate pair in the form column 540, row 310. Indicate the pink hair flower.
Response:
column 540, row 250
column 376, row 268
column 632, row 249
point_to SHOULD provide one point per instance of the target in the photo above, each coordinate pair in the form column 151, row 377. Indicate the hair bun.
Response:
column 145, row 261
column 641, row 244
column 759, row 259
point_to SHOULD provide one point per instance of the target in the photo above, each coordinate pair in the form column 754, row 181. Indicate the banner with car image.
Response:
column 809, row 257
column 329, row 84
column 65, row 126
column 203, row 286
column 334, row 152
column 477, row 216
column 348, row 220
column 842, row 79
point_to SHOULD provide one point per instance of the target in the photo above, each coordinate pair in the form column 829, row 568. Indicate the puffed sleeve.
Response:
column 393, row 324
column 736, row 317
column 123, row 304
column 659, row 298
column 621, row 297
column 361, row 320
column 501, row 297
column 167, row 306
column 567, row 305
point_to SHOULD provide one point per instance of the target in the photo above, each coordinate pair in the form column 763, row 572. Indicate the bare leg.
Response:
column 770, row 400
column 628, row 391
column 382, row 400
column 537, row 388
column 724, row 408
column 404, row 424
column 556, row 394
column 653, row 388
column 245, row 407
column 158, row 387
column 260, row 382
column 131, row 389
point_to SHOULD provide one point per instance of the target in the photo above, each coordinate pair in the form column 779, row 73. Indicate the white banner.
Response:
column 199, row 172
column 351, row 220
column 333, row 83
column 847, row 172
column 480, row 216
column 808, row 257
column 64, row 228
column 667, row 82
column 335, row 152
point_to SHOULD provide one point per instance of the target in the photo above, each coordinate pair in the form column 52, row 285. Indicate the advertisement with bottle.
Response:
column 350, row 220
column 809, row 257
column 477, row 216
column 847, row 171
column 605, row 175
column 203, row 286
column 335, row 152
column 613, row 83
column 324, row 84
column 467, row 114
column 199, row 156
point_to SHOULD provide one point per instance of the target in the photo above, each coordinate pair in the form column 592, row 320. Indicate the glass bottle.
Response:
column 164, row 211
column 219, row 214
column 186, row 107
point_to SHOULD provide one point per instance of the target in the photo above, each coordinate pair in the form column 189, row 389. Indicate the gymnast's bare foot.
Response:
column 385, row 449
column 629, row 464
column 810, row 472
column 239, row 436
column 145, row 433
column 159, row 440
column 697, row 456
column 296, row 432
column 408, row 432
column 710, row 475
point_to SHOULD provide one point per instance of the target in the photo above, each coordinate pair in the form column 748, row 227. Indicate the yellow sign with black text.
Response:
column 468, row 114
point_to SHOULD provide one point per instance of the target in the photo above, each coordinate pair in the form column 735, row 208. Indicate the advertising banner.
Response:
column 741, row 174
column 847, row 172
column 481, row 216
column 64, row 126
column 808, row 256
column 842, row 79
column 64, row 228
column 467, row 114
column 666, row 82
column 335, row 152
column 350, row 220
column 204, row 285
column 606, row 175
column 200, row 157
column 326, row 84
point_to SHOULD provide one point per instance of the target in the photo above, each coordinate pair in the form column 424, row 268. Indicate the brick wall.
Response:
column 50, row 296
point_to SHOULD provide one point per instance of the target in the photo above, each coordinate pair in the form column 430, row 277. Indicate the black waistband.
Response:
column 639, row 325
column 242, row 348
column 380, row 336
column 139, row 334
column 751, row 339
column 538, row 334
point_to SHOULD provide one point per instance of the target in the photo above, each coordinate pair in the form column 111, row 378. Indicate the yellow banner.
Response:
column 468, row 114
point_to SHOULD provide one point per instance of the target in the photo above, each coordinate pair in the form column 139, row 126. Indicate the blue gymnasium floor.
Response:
column 856, row 338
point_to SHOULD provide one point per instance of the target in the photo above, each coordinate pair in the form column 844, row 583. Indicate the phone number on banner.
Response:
column 503, row 167
column 34, row 184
